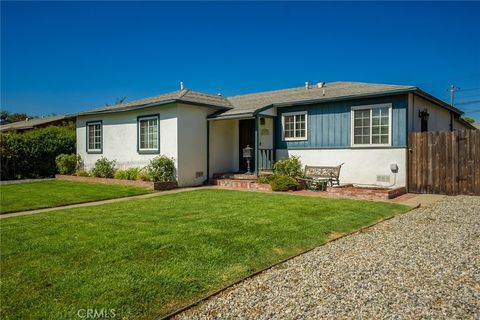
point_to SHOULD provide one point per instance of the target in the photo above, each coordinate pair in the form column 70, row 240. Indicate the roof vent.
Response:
column 320, row 84
column 306, row 85
column 182, row 85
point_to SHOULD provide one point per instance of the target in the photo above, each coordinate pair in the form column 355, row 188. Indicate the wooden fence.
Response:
column 444, row 162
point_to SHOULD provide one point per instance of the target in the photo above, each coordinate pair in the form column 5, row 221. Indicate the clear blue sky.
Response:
column 62, row 57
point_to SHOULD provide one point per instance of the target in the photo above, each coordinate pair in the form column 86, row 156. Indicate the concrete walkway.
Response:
column 7, row 182
column 96, row 203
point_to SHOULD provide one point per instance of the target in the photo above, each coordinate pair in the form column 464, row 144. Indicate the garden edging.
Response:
column 168, row 185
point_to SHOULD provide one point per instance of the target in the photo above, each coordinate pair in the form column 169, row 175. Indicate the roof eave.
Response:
column 433, row 99
column 323, row 100
column 149, row 105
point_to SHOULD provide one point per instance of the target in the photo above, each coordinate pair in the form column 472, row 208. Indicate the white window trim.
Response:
column 295, row 126
column 94, row 123
column 140, row 119
column 371, row 107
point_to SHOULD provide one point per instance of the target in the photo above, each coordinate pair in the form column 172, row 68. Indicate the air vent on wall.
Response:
column 383, row 178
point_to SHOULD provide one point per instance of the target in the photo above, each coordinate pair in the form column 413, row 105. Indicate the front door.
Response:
column 246, row 133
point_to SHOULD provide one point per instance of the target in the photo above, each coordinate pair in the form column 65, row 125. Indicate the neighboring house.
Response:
column 365, row 126
column 29, row 124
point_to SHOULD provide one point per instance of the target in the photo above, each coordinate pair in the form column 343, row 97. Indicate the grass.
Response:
column 145, row 258
column 54, row 193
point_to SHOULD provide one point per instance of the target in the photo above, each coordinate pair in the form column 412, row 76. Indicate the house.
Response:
column 365, row 126
column 29, row 124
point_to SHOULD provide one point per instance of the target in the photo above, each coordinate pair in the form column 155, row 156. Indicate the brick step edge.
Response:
column 241, row 184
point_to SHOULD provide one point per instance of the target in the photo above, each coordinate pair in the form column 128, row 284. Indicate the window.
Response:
column 371, row 125
column 294, row 126
column 148, row 134
column 94, row 137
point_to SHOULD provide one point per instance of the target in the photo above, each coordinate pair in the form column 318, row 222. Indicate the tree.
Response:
column 468, row 119
column 9, row 117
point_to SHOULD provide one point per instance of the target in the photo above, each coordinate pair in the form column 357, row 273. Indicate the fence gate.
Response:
column 444, row 162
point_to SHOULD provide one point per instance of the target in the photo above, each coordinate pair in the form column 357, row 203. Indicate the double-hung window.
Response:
column 371, row 125
column 94, row 137
column 294, row 126
column 148, row 134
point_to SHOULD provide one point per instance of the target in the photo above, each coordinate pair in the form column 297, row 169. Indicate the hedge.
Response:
column 32, row 154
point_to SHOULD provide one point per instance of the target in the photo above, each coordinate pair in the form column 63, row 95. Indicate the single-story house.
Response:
column 29, row 124
column 363, row 125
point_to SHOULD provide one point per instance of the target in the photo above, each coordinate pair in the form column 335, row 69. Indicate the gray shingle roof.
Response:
column 185, row 95
column 252, row 102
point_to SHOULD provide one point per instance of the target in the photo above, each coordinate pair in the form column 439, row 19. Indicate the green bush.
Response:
column 32, row 154
column 143, row 174
column 82, row 173
column 281, row 182
column 104, row 168
column 68, row 163
column 291, row 167
column 129, row 174
column 265, row 178
column 161, row 168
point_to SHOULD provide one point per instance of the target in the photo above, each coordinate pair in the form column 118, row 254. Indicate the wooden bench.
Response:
column 332, row 174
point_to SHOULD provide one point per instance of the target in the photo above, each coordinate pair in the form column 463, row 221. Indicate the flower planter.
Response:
column 166, row 185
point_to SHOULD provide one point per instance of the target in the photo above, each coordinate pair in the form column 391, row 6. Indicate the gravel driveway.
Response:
column 423, row 264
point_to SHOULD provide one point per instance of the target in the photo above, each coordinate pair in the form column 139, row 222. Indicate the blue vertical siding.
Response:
column 329, row 123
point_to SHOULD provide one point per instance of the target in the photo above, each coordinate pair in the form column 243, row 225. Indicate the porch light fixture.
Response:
column 247, row 155
column 423, row 114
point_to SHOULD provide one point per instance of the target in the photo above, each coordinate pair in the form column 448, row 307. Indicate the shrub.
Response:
column 143, row 174
column 265, row 178
column 31, row 154
column 68, row 163
column 291, row 167
column 104, row 168
column 281, row 182
column 162, row 169
column 129, row 174
column 82, row 173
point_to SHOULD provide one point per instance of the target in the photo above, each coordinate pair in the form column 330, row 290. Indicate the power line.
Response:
column 471, row 89
column 470, row 96
column 468, row 102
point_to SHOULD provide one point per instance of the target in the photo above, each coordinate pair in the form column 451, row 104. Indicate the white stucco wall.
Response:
column 120, row 137
column 192, row 144
column 361, row 165
column 439, row 119
column 223, row 146
column 183, row 137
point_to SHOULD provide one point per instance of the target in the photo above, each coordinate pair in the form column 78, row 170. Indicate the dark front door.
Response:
column 246, row 133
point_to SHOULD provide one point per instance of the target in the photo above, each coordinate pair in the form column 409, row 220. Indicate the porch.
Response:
column 228, row 138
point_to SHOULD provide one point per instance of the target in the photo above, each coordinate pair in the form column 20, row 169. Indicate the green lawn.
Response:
column 54, row 193
column 145, row 258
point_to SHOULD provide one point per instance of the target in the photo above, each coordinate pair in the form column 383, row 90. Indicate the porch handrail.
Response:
column 265, row 159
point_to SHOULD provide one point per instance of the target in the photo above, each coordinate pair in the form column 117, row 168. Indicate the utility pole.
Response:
column 452, row 90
